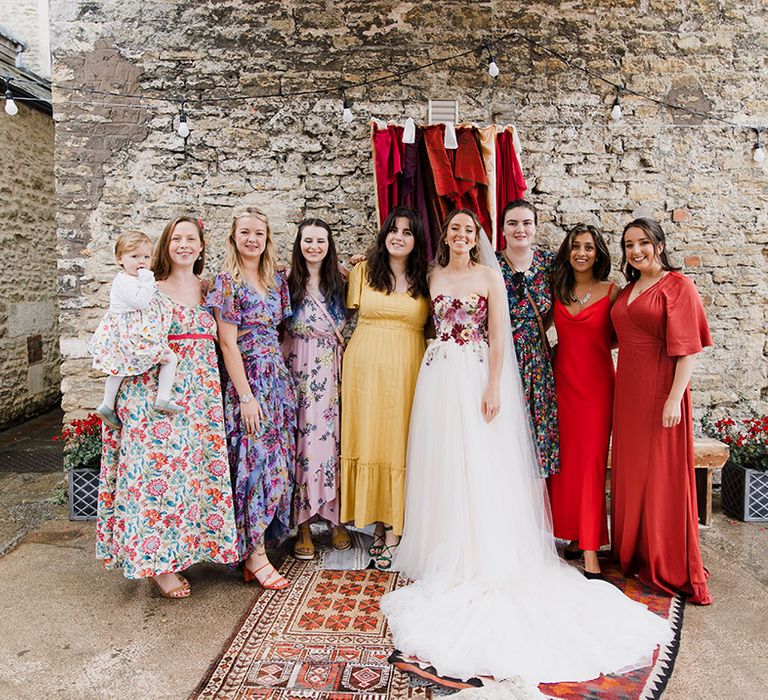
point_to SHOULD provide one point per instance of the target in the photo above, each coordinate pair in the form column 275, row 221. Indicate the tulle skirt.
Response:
column 491, row 596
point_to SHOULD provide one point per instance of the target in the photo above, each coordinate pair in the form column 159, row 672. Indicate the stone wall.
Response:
column 29, row 353
column 28, row 20
column 123, row 165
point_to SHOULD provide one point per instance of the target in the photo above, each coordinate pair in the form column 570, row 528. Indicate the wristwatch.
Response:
column 245, row 398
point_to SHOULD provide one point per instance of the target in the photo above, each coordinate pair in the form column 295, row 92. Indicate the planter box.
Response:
column 744, row 493
column 83, row 493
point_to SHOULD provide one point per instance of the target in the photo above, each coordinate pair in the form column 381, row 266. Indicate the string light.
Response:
column 493, row 68
column 346, row 116
column 758, row 151
column 183, row 128
column 11, row 109
column 616, row 109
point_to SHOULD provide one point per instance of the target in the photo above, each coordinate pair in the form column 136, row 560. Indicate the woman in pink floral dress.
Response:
column 165, row 500
column 312, row 347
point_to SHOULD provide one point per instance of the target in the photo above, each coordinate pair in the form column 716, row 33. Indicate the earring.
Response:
column 199, row 257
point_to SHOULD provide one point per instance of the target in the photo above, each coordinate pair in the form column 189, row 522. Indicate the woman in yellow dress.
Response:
column 389, row 291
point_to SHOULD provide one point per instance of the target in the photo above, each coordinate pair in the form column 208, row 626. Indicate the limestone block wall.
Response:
column 28, row 20
column 29, row 348
column 121, row 164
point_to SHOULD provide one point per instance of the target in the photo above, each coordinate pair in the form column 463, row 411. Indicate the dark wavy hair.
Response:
column 443, row 253
column 563, row 280
column 331, row 279
column 380, row 275
column 653, row 230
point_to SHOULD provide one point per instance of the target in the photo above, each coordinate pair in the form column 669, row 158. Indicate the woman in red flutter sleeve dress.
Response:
column 661, row 326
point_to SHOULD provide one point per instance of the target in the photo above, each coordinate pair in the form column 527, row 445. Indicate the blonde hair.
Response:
column 130, row 240
column 161, row 260
column 233, row 262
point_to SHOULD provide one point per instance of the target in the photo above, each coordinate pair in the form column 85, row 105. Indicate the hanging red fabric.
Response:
column 469, row 171
column 510, row 183
column 388, row 163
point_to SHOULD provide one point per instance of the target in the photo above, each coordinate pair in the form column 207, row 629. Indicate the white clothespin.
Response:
column 450, row 141
column 409, row 131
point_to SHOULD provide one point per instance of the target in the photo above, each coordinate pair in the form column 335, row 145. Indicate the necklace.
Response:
column 584, row 299
column 512, row 265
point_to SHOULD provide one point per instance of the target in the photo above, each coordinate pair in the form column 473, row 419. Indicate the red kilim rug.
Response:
column 643, row 684
column 322, row 639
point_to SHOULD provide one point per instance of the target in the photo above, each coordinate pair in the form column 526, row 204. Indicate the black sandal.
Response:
column 376, row 549
column 383, row 562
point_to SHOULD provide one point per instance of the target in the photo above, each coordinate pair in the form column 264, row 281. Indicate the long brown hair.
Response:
column 653, row 230
column 233, row 262
column 443, row 253
column 161, row 260
column 331, row 279
column 563, row 280
column 379, row 272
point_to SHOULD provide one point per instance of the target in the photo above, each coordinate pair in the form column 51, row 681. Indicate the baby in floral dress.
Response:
column 132, row 335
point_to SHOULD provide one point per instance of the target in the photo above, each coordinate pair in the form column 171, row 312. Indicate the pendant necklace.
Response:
column 584, row 299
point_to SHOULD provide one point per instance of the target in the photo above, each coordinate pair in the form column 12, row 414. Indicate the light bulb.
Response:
column 493, row 69
column 10, row 106
column 347, row 115
column 616, row 111
column 183, row 129
column 758, row 153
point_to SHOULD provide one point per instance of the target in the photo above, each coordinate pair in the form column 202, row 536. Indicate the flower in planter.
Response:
column 82, row 442
column 747, row 439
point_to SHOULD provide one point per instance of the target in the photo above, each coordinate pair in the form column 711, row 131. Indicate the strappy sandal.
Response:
column 383, row 562
column 304, row 548
column 182, row 590
column 375, row 549
column 277, row 585
column 340, row 539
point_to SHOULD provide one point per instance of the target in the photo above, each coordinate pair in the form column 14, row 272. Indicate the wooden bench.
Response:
column 709, row 454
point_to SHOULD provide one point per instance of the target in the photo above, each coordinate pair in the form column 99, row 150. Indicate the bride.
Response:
column 491, row 597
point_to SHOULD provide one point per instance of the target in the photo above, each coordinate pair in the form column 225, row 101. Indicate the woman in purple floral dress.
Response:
column 313, row 346
column 250, row 300
column 165, row 500
column 527, row 276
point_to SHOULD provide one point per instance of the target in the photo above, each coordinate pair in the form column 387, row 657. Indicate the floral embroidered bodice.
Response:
column 461, row 320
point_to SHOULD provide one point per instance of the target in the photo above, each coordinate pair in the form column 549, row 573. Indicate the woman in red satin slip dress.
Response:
column 584, row 378
column 661, row 326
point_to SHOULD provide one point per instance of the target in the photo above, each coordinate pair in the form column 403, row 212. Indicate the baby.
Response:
column 132, row 335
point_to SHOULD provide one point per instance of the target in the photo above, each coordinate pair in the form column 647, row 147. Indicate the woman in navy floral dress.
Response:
column 527, row 272
column 250, row 299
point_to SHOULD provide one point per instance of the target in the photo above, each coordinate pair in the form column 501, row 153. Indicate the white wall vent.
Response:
column 441, row 111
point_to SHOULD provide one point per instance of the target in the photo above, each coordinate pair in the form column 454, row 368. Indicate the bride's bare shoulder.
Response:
column 490, row 274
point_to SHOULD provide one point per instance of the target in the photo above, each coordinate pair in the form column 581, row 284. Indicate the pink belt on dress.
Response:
column 192, row 336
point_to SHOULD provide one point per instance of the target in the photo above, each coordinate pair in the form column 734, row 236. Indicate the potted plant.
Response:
column 82, row 458
column 744, row 485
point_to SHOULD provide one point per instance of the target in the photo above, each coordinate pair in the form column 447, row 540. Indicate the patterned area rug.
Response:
column 643, row 684
column 324, row 638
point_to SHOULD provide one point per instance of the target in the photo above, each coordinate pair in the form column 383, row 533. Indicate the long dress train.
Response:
column 491, row 596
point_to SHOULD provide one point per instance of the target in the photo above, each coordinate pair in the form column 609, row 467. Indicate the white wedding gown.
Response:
column 491, row 597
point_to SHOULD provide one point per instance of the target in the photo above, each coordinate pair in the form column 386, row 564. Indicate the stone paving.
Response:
column 70, row 629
